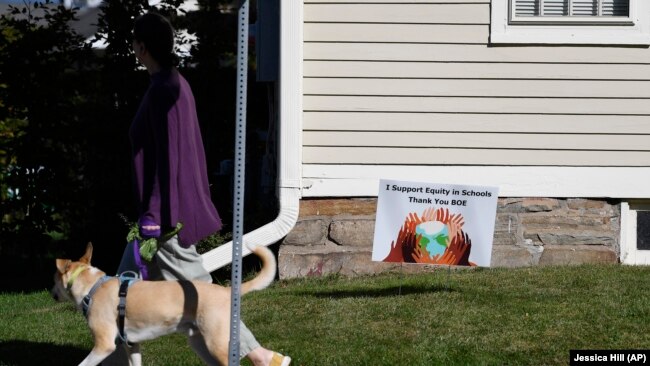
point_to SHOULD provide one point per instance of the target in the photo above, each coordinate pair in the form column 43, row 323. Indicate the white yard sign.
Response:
column 433, row 223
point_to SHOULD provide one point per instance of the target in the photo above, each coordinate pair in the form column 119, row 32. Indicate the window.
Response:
column 570, row 8
column 570, row 11
column 607, row 22
column 635, row 232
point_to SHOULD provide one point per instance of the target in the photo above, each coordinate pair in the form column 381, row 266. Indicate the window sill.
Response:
column 572, row 35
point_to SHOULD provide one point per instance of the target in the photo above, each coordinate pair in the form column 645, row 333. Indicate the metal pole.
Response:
column 238, row 201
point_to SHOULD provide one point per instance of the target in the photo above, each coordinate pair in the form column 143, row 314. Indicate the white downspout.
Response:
column 289, row 137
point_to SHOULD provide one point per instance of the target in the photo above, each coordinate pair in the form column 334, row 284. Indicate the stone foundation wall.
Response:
column 335, row 235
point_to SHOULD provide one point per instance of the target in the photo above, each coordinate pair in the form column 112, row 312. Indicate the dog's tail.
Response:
column 266, row 275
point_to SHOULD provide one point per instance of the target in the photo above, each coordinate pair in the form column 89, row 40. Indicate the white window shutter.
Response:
column 617, row 8
column 527, row 8
column 555, row 8
column 584, row 7
column 559, row 8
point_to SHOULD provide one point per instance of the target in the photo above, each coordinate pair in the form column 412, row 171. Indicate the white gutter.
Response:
column 290, row 140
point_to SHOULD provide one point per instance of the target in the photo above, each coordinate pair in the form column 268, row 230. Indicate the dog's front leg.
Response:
column 120, row 357
column 135, row 357
column 104, row 346
column 95, row 357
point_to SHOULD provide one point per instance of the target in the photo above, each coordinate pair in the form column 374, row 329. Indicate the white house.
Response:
column 546, row 99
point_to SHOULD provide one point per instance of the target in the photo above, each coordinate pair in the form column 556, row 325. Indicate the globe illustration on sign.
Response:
column 433, row 237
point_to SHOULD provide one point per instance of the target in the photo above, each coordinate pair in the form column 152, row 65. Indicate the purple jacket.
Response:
column 170, row 173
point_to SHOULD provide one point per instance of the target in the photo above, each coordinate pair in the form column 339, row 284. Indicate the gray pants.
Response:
column 173, row 262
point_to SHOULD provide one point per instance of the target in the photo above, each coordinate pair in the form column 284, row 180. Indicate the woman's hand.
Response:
column 149, row 228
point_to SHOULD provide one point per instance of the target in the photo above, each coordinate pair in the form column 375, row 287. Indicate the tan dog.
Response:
column 155, row 308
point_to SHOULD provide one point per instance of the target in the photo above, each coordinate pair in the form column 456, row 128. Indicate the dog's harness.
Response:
column 126, row 280
column 88, row 299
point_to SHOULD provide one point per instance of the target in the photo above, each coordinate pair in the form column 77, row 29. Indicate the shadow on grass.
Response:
column 25, row 353
column 379, row 292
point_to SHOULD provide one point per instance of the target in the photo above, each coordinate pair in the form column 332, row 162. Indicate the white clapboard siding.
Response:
column 494, row 70
column 390, row 84
column 442, row 13
column 476, row 105
column 458, row 122
column 513, row 181
column 396, row 33
column 477, row 140
column 481, row 88
column 474, row 53
column 464, row 156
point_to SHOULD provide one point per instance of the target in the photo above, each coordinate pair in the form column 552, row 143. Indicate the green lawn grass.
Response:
column 525, row 316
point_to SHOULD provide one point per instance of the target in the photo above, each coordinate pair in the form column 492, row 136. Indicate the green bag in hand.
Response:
column 149, row 247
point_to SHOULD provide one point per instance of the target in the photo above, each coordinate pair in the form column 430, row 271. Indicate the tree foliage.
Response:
column 65, row 110
column 42, row 64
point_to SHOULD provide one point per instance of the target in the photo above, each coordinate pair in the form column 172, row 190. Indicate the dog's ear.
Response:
column 62, row 265
column 88, row 255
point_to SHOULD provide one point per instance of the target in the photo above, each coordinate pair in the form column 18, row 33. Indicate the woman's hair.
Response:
column 157, row 34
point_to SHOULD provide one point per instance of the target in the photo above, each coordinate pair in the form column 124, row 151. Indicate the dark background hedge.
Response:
column 65, row 110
